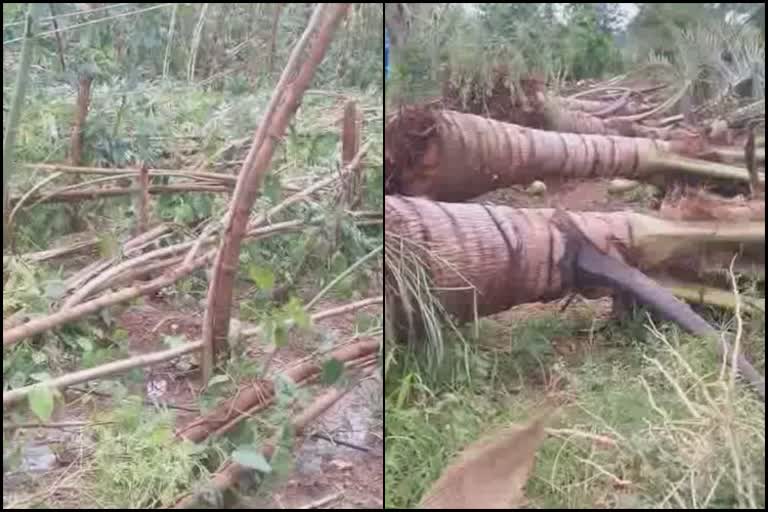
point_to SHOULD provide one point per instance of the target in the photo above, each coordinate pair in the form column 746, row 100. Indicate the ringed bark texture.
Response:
column 495, row 255
column 450, row 156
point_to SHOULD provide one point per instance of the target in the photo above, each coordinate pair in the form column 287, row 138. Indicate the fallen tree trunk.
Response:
column 486, row 259
column 452, row 156
column 482, row 259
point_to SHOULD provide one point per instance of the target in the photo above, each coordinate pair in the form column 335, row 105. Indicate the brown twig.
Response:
column 230, row 472
column 225, row 178
column 40, row 325
column 98, row 193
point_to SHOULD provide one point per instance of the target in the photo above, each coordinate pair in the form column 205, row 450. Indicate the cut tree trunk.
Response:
column 486, row 259
column 450, row 156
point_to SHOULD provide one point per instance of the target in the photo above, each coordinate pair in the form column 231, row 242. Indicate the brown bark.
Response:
column 83, row 104
column 496, row 257
column 142, row 203
column 295, row 79
column 69, row 196
column 451, row 156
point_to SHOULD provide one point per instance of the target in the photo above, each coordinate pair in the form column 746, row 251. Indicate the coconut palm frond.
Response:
column 719, row 61
column 412, row 305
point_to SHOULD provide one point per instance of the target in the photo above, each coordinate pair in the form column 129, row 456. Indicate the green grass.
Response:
column 683, row 436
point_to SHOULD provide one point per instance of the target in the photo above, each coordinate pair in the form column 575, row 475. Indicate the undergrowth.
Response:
column 681, row 436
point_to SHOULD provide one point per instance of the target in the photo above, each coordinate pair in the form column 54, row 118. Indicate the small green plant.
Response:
column 138, row 462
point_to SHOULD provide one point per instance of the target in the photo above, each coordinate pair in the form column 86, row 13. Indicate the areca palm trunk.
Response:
column 485, row 259
column 450, row 156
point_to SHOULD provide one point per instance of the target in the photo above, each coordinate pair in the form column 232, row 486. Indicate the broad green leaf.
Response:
column 296, row 312
column 41, row 402
column 85, row 343
column 339, row 263
column 251, row 458
column 332, row 371
column 262, row 277
column 184, row 213
column 285, row 389
column 281, row 335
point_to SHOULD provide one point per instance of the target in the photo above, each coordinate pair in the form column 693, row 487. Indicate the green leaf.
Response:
column 108, row 245
column 119, row 334
column 332, row 371
column 364, row 321
column 262, row 277
column 251, row 458
column 281, row 335
column 285, row 390
column 85, row 343
column 41, row 402
column 296, row 312
column 339, row 263
column 184, row 213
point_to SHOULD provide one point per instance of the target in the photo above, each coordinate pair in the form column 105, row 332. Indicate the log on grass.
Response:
column 450, row 156
column 486, row 259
